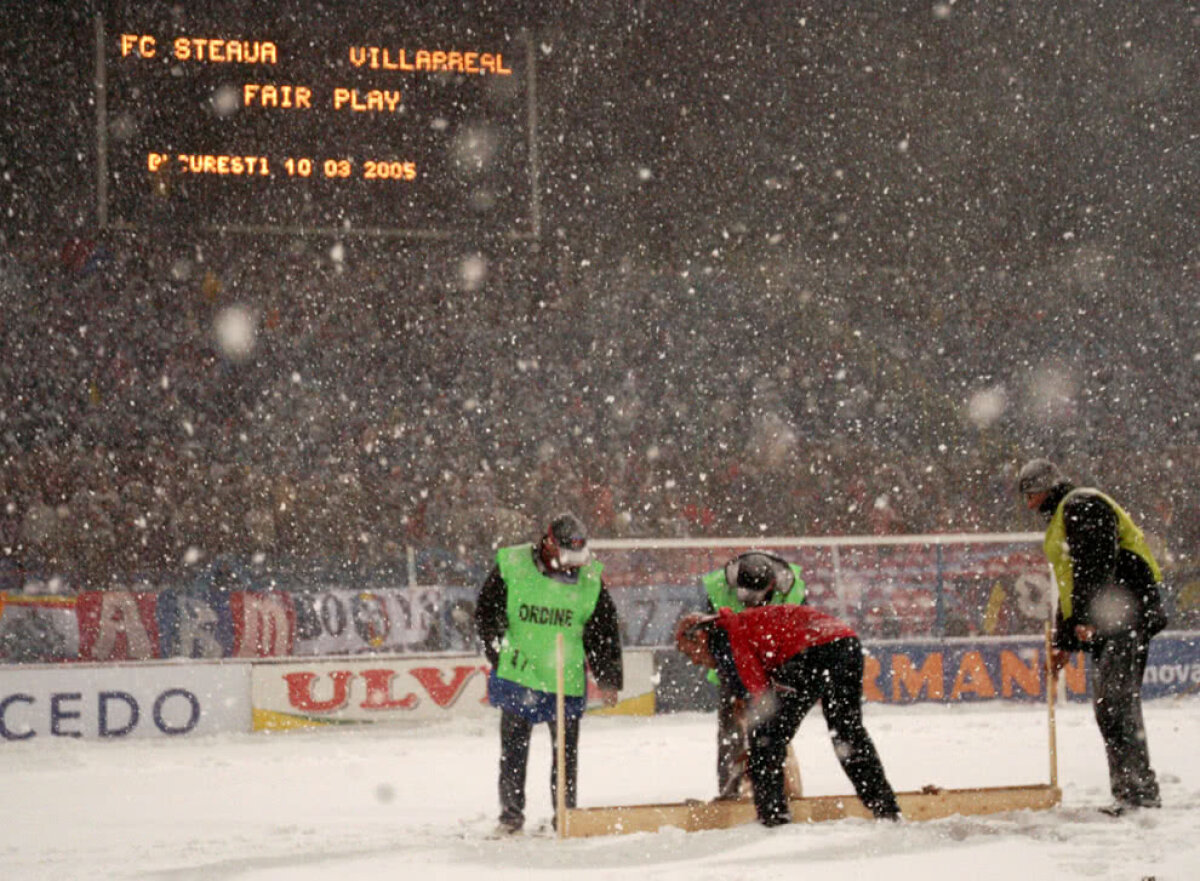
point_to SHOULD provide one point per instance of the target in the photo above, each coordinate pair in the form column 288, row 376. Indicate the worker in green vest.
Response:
column 1110, row 604
column 752, row 578
column 533, row 593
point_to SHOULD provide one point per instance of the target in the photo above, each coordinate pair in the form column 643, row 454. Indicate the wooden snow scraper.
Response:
column 930, row 803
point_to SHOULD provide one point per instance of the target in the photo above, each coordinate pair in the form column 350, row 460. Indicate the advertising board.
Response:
column 339, row 691
column 121, row 701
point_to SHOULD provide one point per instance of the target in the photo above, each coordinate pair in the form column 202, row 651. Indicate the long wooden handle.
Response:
column 1051, row 700
column 560, row 745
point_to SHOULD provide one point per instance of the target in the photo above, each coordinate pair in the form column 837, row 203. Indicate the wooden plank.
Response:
column 931, row 803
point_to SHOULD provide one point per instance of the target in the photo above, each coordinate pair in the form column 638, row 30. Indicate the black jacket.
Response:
column 1100, row 566
column 601, row 634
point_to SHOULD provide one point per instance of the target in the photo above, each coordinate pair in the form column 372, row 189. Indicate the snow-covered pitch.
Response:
column 418, row 802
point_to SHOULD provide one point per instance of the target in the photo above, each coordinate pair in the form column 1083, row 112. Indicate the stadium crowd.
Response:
column 798, row 274
column 368, row 408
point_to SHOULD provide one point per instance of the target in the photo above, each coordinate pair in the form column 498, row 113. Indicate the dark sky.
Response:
column 894, row 133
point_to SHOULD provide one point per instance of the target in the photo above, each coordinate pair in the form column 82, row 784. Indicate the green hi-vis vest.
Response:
column 722, row 596
column 539, row 608
column 1129, row 537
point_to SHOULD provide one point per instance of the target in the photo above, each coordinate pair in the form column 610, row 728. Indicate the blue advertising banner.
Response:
column 1174, row 666
column 974, row 669
column 958, row 671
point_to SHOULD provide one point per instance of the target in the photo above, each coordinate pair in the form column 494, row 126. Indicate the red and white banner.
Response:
column 339, row 691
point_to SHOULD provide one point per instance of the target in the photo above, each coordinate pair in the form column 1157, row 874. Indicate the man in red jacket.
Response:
column 783, row 659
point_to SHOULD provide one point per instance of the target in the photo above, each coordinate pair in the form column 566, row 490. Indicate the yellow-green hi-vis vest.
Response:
column 539, row 608
column 1129, row 537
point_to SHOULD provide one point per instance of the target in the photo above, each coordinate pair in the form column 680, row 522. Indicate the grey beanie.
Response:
column 1039, row 475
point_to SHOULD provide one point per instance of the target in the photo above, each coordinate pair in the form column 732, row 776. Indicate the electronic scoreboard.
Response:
column 343, row 118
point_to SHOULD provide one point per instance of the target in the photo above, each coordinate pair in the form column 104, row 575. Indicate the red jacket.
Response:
column 764, row 638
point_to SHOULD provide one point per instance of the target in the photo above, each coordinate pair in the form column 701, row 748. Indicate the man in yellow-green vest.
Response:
column 533, row 593
column 752, row 578
column 1110, row 604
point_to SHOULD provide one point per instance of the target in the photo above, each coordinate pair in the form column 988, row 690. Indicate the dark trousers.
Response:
column 831, row 673
column 1118, row 665
column 515, row 734
column 731, row 741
